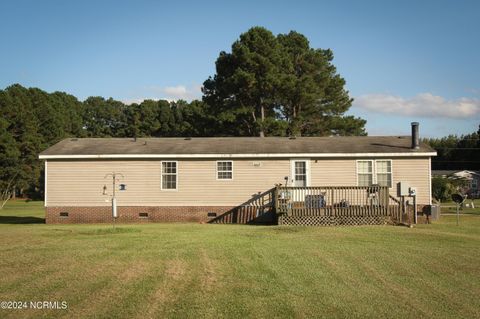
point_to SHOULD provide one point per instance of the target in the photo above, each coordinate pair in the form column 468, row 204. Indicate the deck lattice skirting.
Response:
column 312, row 220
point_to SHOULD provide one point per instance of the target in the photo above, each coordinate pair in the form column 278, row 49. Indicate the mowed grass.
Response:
column 451, row 208
column 237, row 271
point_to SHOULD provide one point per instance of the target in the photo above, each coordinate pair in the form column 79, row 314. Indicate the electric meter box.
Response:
column 403, row 189
column 412, row 191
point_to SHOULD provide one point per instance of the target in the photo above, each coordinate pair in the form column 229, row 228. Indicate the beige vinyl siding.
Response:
column 343, row 172
column 333, row 172
column 80, row 182
column 415, row 171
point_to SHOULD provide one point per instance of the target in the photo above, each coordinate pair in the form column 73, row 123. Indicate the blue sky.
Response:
column 403, row 60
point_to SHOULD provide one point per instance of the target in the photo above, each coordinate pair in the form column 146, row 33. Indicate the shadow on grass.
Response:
column 21, row 220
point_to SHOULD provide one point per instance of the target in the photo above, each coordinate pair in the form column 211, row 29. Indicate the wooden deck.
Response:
column 325, row 205
column 336, row 205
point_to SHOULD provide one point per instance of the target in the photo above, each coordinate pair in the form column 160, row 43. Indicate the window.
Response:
column 384, row 172
column 225, row 170
column 169, row 175
column 365, row 173
column 300, row 177
column 474, row 183
column 374, row 172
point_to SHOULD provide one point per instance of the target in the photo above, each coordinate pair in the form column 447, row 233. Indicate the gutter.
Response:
column 260, row 155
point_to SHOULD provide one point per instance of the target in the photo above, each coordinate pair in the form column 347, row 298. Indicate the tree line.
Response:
column 266, row 86
column 456, row 152
column 32, row 120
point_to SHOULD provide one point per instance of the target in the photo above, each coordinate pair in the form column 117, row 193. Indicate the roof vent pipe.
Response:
column 415, row 136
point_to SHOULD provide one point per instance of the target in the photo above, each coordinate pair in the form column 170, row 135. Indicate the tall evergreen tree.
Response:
column 242, row 92
column 279, row 86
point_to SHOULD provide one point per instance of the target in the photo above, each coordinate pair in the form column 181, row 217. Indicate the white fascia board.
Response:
column 260, row 155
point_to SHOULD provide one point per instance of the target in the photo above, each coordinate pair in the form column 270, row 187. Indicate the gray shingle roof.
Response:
column 235, row 145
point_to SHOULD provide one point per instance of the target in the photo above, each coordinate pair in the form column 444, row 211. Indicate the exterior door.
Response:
column 300, row 173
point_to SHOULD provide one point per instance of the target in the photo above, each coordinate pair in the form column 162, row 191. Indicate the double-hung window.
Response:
column 365, row 173
column 384, row 172
column 374, row 172
column 225, row 170
column 169, row 175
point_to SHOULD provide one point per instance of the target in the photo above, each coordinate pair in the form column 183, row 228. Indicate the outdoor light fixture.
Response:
column 104, row 189
column 123, row 187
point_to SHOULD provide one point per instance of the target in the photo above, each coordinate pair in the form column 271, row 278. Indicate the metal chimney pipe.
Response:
column 415, row 136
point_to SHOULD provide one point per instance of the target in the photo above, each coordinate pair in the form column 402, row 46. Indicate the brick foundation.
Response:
column 131, row 214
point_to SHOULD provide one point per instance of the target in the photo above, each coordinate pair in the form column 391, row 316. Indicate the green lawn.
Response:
column 195, row 271
column 450, row 207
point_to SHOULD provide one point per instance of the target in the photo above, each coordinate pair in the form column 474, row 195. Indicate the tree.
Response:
column 279, row 86
column 456, row 152
column 104, row 117
column 443, row 188
column 312, row 96
column 242, row 92
column 9, row 159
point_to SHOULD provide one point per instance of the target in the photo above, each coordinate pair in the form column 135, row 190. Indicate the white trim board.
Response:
column 260, row 155
column 45, row 186
column 430, row 180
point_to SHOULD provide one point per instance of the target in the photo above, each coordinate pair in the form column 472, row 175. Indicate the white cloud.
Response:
column 423, row 104
column 169, row 93
column 138, row 100
column 181, row 92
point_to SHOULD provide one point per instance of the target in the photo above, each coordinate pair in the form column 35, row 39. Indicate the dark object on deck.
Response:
column 315, row 201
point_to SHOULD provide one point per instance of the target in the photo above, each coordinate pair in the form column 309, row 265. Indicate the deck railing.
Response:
column 335, row 201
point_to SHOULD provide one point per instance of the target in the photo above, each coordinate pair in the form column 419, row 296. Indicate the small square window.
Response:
column 225, row 170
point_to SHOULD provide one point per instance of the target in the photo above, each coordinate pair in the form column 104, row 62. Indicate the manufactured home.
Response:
column 235, row 179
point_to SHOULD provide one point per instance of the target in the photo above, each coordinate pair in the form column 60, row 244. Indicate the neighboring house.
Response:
column 193, row 179
column 471, row 178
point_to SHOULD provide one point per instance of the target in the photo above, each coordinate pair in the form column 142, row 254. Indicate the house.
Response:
column 471, row 178
column 200, row 179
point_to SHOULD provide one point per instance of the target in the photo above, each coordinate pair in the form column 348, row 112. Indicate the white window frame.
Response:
column 307, row 168
column 176, row 176
column 217, row 171
column 374, row 169
column 391, row 171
